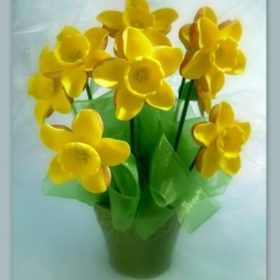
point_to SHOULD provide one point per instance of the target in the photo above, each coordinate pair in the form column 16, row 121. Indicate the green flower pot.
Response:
column 132, row 256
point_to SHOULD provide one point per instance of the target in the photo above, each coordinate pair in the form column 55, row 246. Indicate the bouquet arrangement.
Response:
column 134, row 150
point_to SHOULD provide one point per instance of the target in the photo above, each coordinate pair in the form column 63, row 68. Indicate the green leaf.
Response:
column 73, row 190
column 186, row 91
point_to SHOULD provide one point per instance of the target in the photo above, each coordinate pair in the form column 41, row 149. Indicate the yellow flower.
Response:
column 47, row 89
column 63, row 72
column 139, row 76
column 138, row 15
column 82, row 153
column 211, row 44
column 221, row 139
column 78, row 54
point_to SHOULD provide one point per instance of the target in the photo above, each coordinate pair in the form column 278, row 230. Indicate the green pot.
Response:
column 132, row 256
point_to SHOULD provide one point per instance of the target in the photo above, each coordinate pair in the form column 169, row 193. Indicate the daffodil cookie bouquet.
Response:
column 135, row 149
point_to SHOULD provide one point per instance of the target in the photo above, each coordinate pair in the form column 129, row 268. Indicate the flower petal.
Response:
column 118, row 46
column 207, row 161
column 184, row 35
column 226, row 54
column 55, row 137
column 49, row 65
column 246, row 128
column 141, row 4
column 111, row 19
column 127, row 104
column 213, row 81
column 204, row 100
column 196, row 64
column 216, row 80
column 138, row 18
column 60, row 102
column 110, row 72
column 170, row 58
column 230, row 29
column 94, row 59
column 204, row 33
column 240, row 64
column 230, row 165
column 79, row 159
column 230, row 142
column 74, row 81
column 43, row 109
column 144, row 76
column 135, row 43
column 88, row 127
column 222, row 115
column 164, row 18
column 112, row 152
column 97, row 37
column 164, row 98
column 68, row 31
column 40, row 86
column 206, row 12
column 205, row 133
column 157, row 38
column 99, row 181
column 57, row 174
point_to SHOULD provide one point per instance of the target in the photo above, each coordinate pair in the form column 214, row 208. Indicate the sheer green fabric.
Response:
column 155, row 183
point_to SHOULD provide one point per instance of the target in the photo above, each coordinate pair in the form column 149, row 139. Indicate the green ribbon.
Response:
column 146, row 192
column 190, row 194
column 124, row 194
column 150, row 217
column 74, row 190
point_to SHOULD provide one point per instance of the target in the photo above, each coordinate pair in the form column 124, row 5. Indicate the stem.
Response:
column 74, row 109
column 132, row 134
column 182, row 87
column 180, row 92
column 192, row 164
column 183, row 117
column 89, row 94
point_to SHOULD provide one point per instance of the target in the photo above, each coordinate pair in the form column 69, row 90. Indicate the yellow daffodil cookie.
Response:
column 47, row 89
column 221, row 141
column 212, row 52
column 78, row 54
column 63, row 73
column 138, row 78
column 137, row 14
column 82, row 153
column 209, row 43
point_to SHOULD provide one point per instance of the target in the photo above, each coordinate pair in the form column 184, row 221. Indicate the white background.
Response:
column 55, row 239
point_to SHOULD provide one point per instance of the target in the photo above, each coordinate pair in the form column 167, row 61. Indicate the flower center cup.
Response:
column 230, row 141
column 80, row 159
column 73, row 49
column 144, row 76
